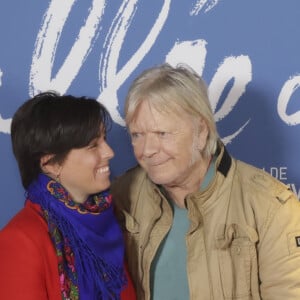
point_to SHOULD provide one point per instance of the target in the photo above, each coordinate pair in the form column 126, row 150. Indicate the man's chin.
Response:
column 158, row 179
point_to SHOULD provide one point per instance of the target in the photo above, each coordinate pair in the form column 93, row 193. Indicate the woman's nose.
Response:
column 107, row 152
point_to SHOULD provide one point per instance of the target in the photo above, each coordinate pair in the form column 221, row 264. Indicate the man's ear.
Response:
column 202, row 134
column 49, row 167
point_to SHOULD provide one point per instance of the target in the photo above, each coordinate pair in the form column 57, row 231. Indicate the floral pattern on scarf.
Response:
column 87, row 238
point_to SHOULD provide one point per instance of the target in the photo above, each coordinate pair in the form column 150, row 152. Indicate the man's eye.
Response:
column 162, row 133
column 135, row 135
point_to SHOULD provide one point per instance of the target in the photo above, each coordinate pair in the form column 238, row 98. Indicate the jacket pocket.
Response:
column 238, row 263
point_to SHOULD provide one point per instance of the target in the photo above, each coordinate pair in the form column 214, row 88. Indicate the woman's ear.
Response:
column 49, row 167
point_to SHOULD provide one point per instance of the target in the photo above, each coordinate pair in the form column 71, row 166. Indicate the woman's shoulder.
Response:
column 27, row 258
column 27, row 224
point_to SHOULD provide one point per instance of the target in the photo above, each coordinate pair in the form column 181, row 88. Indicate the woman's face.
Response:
column 167, row 145
column 85, row 171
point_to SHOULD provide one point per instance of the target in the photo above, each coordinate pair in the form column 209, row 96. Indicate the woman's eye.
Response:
column 93, row 145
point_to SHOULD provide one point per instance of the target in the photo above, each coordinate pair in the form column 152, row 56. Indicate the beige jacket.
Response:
column 244, row 236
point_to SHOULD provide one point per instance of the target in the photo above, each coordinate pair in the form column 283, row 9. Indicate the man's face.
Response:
column 167, row 145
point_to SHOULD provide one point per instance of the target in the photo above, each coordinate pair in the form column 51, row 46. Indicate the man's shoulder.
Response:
column 262, row 183
column 130, row 176
column 130, row 185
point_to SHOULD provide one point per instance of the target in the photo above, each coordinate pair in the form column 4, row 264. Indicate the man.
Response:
column 200, row 224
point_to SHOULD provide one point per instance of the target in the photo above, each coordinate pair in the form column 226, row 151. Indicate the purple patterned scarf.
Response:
column 88, row 241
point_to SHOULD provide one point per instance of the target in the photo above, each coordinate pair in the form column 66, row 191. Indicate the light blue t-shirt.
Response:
column 168, row 271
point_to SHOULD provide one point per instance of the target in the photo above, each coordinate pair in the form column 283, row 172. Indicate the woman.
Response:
column 65, row 243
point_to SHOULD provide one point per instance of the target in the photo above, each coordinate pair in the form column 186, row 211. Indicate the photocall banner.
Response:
column 248, row 52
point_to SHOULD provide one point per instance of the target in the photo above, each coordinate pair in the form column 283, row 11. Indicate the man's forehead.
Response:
column 159, row 121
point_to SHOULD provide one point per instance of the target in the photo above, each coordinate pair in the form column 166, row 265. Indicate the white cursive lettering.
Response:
column 285, row 95
column 47, row 41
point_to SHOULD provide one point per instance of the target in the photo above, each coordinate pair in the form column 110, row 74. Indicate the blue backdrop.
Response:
column 247, row 51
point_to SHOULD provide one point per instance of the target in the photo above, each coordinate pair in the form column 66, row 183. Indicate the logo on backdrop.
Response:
column 4, row 123
column 236, row 69
column 281, row 173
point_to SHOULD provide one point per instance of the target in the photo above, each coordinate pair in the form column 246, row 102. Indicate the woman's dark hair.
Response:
column 52, row 124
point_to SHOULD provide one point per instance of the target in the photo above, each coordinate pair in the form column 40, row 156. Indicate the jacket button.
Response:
column 238, row 250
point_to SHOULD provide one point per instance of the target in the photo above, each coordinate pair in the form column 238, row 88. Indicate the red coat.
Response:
column 28, row 263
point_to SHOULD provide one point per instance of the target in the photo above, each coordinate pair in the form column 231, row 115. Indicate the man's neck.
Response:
column 179, row 192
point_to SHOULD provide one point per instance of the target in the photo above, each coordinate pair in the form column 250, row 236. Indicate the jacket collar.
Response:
column 225, row 162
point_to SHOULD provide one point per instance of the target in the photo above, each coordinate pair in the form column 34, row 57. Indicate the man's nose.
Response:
column 151, row 145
